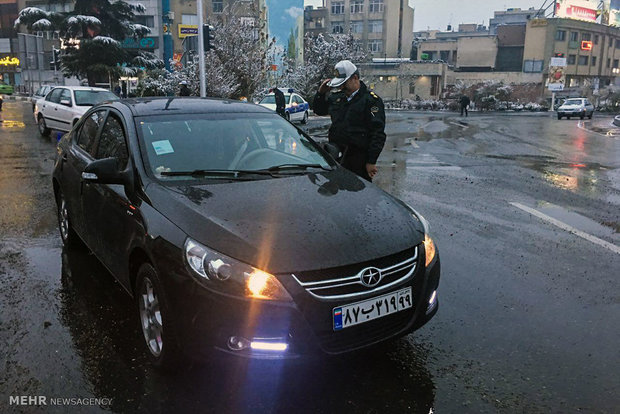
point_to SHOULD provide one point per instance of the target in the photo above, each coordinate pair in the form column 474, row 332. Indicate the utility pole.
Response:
column 201, row 51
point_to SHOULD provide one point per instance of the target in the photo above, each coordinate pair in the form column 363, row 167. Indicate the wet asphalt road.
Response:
column 529, row 310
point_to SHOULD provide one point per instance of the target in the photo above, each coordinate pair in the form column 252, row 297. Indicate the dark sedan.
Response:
column 235, row 231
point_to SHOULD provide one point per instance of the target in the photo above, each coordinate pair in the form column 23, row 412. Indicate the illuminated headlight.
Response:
column 227, row 275
column 429, row 244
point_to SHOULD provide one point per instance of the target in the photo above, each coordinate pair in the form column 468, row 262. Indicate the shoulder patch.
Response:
column 374, row 95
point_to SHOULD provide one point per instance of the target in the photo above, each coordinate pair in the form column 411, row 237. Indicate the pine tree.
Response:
column 92, row 35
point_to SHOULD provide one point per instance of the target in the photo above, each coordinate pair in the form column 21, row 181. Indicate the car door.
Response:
column 64, row 110
column 49, row 108
column 111, row 215
column 79, row 154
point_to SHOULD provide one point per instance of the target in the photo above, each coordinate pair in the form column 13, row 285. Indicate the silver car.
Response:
column 580, row 107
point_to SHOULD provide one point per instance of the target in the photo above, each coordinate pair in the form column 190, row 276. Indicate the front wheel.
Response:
column 288, row 116
column 43, row 129
column 305, row 118
column 559, row 116
column 158, row 326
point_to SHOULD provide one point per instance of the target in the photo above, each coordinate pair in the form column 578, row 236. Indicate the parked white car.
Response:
column 63, row 106
column 40, row 93
column 296, row 107
column 580, row 107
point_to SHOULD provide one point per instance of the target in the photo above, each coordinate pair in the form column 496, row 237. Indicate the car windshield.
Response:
column 573, row 102
column 193, row 146
column 90, row 98
column 271, row 99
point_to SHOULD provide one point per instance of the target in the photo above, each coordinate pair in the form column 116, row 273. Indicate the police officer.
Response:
column 280, row 102
column 358, row 119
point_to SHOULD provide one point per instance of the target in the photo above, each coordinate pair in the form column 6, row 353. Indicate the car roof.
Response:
column 81, row 88
column 185, row 105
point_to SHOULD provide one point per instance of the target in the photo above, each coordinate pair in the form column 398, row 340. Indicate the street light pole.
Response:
column 201, row 51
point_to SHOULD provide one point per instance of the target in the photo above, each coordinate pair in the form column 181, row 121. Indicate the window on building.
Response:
column 338, row 7
column 411, row 88
column 337, row 27
column 148, row 21
column 533, row 66
column 583, row 60
column 596, row 39
column 617, row 43
column 571, row 59
column 189, row 19
column 560, row 35
column 375, row 26
column 444, row 55
column 434, row 85
column 375, row 46
column 375, row 6
column 615, row 64
column 218, row 6
column 357, row 27
column 357, row 6
column 593, row 61
column 574, row 36
column 608, row 62
column 586, row 36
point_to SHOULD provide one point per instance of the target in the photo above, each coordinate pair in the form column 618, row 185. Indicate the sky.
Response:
column 438, row 14
column 282, row 17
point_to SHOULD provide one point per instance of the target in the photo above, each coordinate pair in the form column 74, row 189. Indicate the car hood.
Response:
column 302, row 222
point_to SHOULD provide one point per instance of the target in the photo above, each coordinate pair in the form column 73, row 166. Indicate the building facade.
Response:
column 382, row 27
column 10, row 72
column 396, row 79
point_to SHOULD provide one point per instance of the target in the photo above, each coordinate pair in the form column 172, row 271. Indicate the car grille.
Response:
column 346, row 282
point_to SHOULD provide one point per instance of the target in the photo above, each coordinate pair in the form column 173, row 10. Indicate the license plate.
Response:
column 375, row 308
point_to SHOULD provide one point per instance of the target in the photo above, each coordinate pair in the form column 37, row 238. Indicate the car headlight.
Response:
column 227, row 275
column 429, row 244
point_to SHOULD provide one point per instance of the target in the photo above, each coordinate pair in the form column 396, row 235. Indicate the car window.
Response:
column 65, row 95
column 572, row 102
column 223, row 142
column 54, row 95
column 298, row 99
column 112, row 142
column 269, row 99
column 92, row 97
column 88, row 132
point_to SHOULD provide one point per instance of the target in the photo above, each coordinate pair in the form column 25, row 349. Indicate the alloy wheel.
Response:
column 63, row 219
column 42, row 127
column 150, row 317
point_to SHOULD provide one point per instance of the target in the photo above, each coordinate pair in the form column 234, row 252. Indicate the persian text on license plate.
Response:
column 360, row 312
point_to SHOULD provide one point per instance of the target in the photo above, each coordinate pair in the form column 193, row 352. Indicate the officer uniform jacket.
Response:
column 358, row 124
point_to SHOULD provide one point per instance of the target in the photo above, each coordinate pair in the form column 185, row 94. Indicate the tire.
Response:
column 156, row 322
column 559, row 116
column 288, row 117
column 305, row 118
column 68, row 236
column 43, row 129
column 591, row 115
column 582, row 116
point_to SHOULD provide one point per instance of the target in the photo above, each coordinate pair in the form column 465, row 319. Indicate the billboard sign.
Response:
column 612, row 7
column 557, row 77
column 577, row 9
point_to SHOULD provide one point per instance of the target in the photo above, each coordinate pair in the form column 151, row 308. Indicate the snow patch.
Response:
column 106, row 40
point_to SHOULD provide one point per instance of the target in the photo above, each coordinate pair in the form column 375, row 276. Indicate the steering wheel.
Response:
column 251, row 156
column 235, row 161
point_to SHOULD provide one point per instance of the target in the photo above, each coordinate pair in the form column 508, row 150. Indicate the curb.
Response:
column 14, row 98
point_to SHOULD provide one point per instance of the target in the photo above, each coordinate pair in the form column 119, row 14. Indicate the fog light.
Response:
column 237, row 343
column 269, row 346
column 432, row 301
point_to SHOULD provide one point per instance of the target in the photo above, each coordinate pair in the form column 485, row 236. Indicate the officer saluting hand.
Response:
column 358, row 119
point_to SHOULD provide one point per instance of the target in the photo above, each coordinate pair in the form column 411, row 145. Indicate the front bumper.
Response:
column 210, row 320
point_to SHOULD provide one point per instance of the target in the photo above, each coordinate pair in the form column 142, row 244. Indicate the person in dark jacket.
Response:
column 464, row 104
column 280, row 102
column 358, row 119
column 184, row 90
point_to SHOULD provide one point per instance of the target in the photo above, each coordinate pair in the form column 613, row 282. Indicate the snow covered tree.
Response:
column 93, row 33
column 321, row 53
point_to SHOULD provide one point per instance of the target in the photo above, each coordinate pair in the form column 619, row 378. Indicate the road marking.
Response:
column 459, row 125
column 415, row 145
column 568, row 228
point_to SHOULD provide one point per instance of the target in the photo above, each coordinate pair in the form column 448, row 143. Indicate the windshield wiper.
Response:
column 284, row 167
column 215, row 173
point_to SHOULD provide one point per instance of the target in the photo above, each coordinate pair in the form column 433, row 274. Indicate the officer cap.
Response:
column 345, row 69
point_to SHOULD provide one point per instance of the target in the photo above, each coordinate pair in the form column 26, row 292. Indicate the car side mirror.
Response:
column 332, row 150
column 65, row 102
column 104, row 171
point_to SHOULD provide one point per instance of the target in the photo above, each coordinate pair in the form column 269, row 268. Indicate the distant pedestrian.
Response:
column 280, row 102
column 465, row 101
column 117, row 90
column 0, row 103
column 184, row 91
